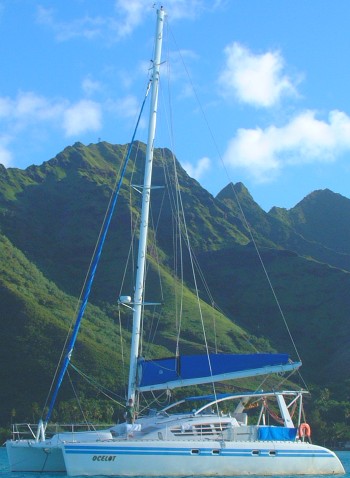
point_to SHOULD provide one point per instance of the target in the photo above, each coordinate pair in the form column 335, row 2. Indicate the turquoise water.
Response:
column 5, row 472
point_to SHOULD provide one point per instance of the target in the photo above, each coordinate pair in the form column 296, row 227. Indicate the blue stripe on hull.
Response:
column 133, row 450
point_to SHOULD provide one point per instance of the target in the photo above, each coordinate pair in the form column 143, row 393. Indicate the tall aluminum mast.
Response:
column 146, row 196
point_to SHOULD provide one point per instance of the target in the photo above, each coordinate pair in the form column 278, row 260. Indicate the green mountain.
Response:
column 322, row 218
column 315, row 228
column 50, row 217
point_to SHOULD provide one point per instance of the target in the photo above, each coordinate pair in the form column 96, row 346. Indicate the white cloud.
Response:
column 29, row 115
column 5, row 107
column 133, row 12
column 90, row 86
column 305, row 139
column 122, row 21
column 258, row 80
column 5, row 155
column 26, row 112
column 45, row 16
column 127, row 107
column 196, row 171
column 81, row 117
column 28, row 106
column 178, row 9
column 88, row 27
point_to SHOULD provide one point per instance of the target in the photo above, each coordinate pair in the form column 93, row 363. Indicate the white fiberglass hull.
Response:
column 179, row 458
column 31, row 456
column 46, row 456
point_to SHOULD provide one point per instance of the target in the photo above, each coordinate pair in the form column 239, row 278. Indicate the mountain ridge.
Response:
column 48, row 218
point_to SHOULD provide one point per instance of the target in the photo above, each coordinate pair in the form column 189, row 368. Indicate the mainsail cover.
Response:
column 173, row 372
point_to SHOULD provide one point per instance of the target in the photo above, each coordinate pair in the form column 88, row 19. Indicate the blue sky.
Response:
column 264, row 97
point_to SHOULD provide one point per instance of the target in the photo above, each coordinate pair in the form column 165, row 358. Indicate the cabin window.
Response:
column 216, row 452
column 255, row 452
column 272, row 452
column 195, row 451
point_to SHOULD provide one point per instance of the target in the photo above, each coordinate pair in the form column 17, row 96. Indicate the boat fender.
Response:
column 304, row 430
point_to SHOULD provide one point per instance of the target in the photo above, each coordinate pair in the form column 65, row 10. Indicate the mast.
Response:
column 146, row 196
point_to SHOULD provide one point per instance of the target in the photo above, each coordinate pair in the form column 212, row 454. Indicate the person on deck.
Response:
column 130, row 412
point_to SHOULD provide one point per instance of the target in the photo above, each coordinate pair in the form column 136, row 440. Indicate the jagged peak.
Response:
column 321, row 197
column 231, row 190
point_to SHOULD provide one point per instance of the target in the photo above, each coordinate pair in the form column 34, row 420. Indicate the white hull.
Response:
column 47, row 456
column 173, row 444
column 27, row 455
column 179, row 458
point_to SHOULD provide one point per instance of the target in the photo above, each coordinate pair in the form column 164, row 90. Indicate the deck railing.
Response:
column 28, row 431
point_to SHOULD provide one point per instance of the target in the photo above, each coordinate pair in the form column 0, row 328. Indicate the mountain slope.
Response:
column 35, row 318
column 313, row 297
column 50, row 216
column 311, row 229
column 322, row 217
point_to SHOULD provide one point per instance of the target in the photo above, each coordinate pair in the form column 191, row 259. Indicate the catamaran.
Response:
column 211, row 434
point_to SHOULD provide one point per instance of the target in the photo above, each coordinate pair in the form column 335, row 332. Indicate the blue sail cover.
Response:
column 195, row 369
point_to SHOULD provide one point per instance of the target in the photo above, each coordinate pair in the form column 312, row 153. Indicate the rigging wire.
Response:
column 103, row 390
column 197, row 293
column 93, row 267
column 153, row 251
column 131, row 253
column 245, row 220
column 132, row 227
column 178, row 231
column 122, row 348
column 79, row 301
column 174, row 201
column 77, row 398
column 182, row 225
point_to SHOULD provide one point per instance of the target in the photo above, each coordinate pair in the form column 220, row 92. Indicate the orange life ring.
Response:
column 304, row 430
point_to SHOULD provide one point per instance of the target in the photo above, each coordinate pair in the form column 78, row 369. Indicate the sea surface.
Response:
column 5, row 470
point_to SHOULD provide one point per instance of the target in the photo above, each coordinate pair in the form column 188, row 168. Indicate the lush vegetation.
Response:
column 329, row 414
column 50, row 216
